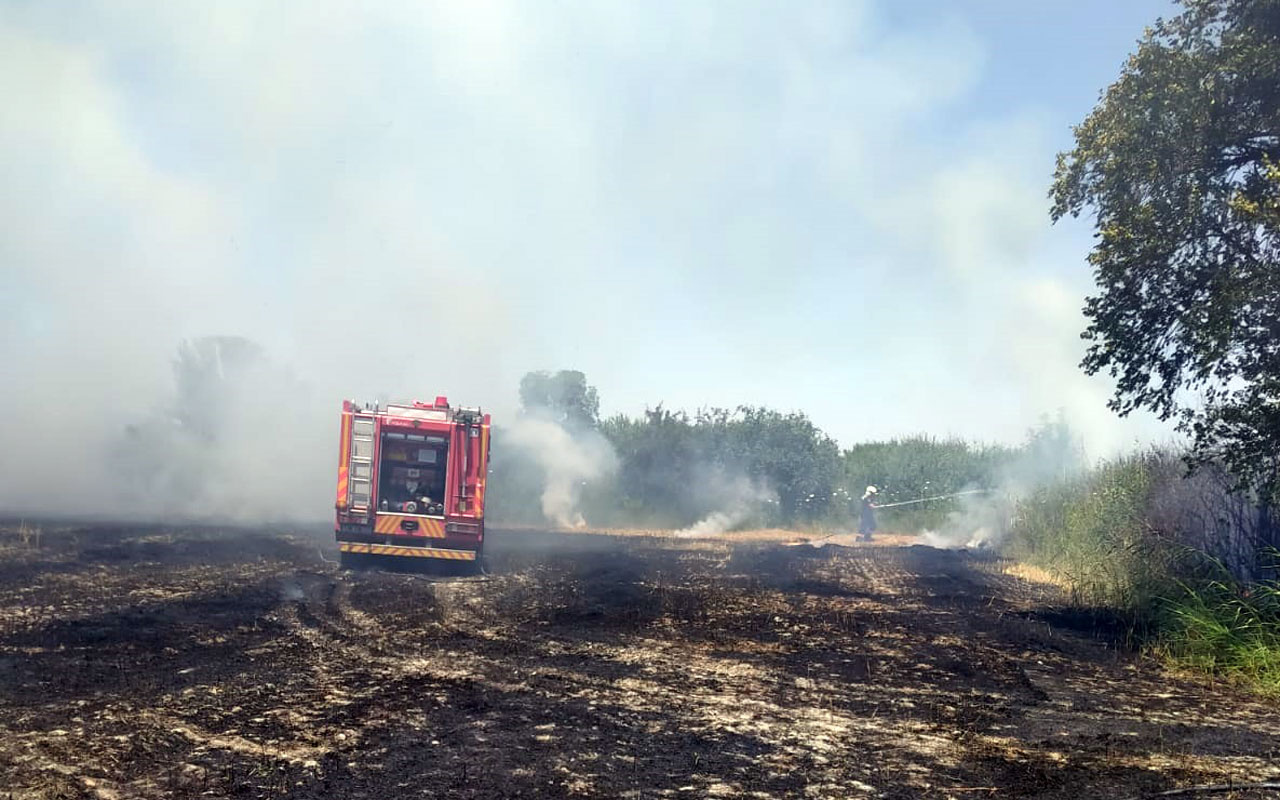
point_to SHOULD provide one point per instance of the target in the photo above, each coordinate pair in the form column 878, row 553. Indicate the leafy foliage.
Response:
column 529, row 454
column 1092, row 531
column 921, row 466
column 675, row 468
column 1180, row 162
column 1223, row 627
column 1141, row 539
column 565, row 396
column 676, row 464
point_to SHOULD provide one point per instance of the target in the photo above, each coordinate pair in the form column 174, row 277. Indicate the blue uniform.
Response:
column 867, row 522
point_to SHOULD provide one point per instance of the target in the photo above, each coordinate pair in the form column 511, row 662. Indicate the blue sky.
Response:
column 837, row 207
column 1059, row 55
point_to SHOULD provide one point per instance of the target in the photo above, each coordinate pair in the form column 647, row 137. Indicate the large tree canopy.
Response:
column 1180, row 163
column 565, row 395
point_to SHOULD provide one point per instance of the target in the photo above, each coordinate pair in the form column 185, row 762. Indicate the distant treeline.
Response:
column 768, row 467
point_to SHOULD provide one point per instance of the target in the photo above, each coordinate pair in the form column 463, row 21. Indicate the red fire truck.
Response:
column 411, row 481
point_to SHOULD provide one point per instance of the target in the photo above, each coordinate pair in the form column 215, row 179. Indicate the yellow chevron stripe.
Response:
column 427, row 526
column 419, row 552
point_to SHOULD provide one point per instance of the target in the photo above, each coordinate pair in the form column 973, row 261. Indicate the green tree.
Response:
column 565, row 395
column 796, row 458
column 674, row 467
column 1052, row 453
column 1180, row 163
column 209, row 372
column 660, row 455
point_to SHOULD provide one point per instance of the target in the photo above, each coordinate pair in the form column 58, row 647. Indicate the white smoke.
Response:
column 1053, row 452
column 330, row 187
column 739, row 498
column 982, row 521
column 568, row 461
column 716, row 523
column 236, row 440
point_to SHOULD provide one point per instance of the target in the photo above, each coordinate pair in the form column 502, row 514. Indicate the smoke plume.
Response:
column 236, row 440
column 737, row 499
column 567, row 461
column 399, row 199
column 982, row 521
column 1052, row 452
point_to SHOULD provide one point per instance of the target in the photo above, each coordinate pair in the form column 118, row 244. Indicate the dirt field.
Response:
column 149, row 662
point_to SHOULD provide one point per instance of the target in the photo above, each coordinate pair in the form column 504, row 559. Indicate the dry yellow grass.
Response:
column 1034, row 574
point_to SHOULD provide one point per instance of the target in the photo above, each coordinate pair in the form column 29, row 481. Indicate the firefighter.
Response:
column 411, row 487
column 409, row 491
column 867, row 517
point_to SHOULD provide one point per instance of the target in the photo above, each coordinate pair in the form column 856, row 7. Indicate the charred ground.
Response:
column 160, row 662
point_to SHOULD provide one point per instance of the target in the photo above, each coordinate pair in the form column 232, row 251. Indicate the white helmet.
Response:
column 870, row 491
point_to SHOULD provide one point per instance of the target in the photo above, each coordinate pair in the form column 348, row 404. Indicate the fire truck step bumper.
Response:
column 419, row 552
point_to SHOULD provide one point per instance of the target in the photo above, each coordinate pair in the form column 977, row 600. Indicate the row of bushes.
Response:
column 677, row 468
column 765, row 467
